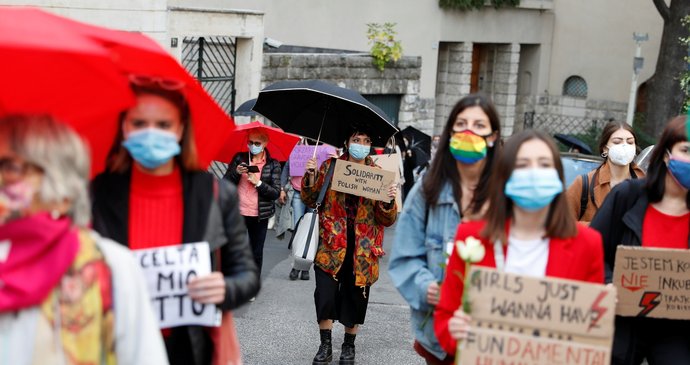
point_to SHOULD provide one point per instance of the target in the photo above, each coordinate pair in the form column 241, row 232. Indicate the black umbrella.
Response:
column 322, row 111
column 420, row 144
column 573, row 142
column 245, row 110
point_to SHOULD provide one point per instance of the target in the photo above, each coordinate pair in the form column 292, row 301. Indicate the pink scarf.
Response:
column 35, row 252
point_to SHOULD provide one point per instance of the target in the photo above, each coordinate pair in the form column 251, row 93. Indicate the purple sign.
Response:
column 300, row 155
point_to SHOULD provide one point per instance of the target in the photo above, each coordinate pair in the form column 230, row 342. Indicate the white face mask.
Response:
column 622, row 154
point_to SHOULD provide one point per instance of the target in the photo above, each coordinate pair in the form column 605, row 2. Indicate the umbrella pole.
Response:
column 320, row 129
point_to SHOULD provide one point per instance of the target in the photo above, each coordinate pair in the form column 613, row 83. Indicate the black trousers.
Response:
column 660, row 341
column 341, row 299
column 256, row 230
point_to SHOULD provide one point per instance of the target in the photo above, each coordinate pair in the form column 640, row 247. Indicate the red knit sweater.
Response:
column 156, row 210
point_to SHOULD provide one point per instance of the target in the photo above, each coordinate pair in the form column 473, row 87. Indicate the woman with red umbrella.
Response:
column 154, row 193
column 257, row 176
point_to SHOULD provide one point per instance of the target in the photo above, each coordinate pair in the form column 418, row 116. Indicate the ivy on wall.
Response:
column 476, row 4
column 384, row 46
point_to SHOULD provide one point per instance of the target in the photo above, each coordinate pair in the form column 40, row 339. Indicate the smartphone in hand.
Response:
column 253, row 169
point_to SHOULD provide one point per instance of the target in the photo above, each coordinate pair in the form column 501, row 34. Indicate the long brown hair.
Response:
column 559, row 222
column 673, row 133
column 609, row 129
column 119, row 159
column 444, row 167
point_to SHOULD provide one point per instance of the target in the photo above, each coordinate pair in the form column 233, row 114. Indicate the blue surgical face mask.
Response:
column 680, row 170
column 255, row 150
column 533, row 188
column 358, row 151
column 152, row 147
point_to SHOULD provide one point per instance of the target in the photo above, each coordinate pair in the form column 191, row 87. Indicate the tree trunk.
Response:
column 664, row 96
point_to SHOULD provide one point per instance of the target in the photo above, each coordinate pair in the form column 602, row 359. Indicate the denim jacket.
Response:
column 418, row 258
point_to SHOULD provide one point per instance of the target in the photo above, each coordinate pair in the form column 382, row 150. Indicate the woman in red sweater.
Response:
column 528, row 230
column 654, row 212
column 154, row 193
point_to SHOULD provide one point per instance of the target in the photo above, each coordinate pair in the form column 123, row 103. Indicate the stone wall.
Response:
column 497, row 75
column 356, row 71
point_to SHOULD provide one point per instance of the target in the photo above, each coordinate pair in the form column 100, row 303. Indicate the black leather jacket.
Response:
column 269, row 191
column 620, row 220
column 210, row 214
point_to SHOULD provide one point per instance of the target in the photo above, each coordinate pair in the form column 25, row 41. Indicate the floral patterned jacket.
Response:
column 372, row 217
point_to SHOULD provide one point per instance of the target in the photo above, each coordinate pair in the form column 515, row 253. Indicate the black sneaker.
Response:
column 294, row 274
column 305, row 275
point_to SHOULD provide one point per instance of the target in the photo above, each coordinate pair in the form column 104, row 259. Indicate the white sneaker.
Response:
column 252, row 299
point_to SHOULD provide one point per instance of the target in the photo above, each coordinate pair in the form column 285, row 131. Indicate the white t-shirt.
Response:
column 527, row 257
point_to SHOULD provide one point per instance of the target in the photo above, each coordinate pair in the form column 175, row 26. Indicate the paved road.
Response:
column 280, row 326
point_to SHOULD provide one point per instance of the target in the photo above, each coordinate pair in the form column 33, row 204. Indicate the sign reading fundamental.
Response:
column 525, row 320
column 300, row 155
column 361, row 180
column 652, row 282
column 167, row 271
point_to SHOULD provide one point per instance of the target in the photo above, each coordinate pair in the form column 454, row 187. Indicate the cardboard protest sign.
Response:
column 167, row 271
column 391, row 163
column 300, row 155
column 652, row 282
column 361, row 180
column 526, row 320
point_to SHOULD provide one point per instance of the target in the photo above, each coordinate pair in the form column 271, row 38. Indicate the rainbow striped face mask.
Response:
column 468, row 147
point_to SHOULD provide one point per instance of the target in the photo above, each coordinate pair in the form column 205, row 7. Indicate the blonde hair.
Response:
column 60, row 153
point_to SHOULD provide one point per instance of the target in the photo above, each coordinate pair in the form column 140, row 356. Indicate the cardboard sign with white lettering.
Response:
column 652, row 282
column 361, row 180
column 300, row 155
column 520, row 319
column 167, row 271
column 391, row 163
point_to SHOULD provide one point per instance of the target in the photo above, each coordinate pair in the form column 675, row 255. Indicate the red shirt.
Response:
column 156, row 210
column 665, row 231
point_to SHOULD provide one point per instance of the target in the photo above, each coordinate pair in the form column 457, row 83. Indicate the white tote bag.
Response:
column 306, row 237
column 305, row 241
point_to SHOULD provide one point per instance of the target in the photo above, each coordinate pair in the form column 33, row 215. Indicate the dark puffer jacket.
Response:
column 269, row 191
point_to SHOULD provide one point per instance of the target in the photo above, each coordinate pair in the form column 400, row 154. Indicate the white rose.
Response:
column 471, row 250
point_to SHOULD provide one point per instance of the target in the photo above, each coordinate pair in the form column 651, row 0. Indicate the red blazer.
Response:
column 577, row 258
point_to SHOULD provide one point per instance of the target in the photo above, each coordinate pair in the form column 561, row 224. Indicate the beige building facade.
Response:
column 570, row 59
column 554, row 59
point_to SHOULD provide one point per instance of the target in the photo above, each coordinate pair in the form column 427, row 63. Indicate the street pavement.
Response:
column 280, row 326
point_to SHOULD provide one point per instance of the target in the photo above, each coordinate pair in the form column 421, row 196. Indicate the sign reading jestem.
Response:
column 542, row 321
column 362, row 180
column 300, row 155
column 652, row 282
column 167, row 271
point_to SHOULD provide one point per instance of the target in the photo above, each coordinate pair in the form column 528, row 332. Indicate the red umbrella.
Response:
column 91, row 86
column 279, row 146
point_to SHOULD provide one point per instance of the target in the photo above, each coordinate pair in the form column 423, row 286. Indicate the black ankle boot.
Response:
column 325, row 354
column 347, row 355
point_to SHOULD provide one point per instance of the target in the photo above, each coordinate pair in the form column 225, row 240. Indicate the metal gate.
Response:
column 212, row 61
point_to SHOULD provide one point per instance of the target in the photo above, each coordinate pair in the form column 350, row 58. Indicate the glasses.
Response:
column 163, row 83
column 10, row 165
column 254, row 143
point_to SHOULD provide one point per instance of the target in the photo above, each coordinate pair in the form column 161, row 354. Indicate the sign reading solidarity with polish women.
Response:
column 362, row 180
column 652, row 282
column 167, row 271
column 538, row 321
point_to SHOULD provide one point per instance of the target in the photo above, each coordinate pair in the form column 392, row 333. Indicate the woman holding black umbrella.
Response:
column 346, row 263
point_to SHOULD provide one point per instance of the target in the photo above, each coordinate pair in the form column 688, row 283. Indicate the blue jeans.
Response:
column 298, row 208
